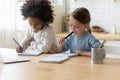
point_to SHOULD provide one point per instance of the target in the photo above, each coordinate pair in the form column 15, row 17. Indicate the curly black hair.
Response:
column 40, row 9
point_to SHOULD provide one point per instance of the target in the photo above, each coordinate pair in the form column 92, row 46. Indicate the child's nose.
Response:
column 73, row 27
column 33, row 26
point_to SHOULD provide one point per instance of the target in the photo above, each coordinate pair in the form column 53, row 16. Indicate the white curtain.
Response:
column 7, row 22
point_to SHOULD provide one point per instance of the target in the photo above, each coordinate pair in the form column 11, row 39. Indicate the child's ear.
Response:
column 87, row 27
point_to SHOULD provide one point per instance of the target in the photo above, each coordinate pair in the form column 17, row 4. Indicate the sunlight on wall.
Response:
column 7, row 22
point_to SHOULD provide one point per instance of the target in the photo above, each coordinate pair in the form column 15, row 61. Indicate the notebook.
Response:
column 54, row 59
column 30, row 53
column 58, row 58
column 65, row 54
column 27, row 52
column 7, row 60
column 8, row 55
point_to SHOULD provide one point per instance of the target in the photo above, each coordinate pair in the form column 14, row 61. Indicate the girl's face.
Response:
column 77, row 27
column 35, row 23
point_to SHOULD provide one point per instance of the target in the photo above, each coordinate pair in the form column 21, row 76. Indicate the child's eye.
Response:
column 30, row 24
column 35, row 25
column 77, row 27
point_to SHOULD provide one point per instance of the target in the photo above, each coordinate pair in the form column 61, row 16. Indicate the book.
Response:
column 8, row 56
column 58, row 58
column 9, row 60
column 30, row 53
column 54, row 59
column 65, row 54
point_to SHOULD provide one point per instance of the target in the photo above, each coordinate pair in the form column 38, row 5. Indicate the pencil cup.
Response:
column 97, row 55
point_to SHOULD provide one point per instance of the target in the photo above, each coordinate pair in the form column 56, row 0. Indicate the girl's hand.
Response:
column 59, row 49
column 61, row 40
column 79, row 52
column 83, row 53
column 19, row 49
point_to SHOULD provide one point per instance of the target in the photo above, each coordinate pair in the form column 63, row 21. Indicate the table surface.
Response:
column 76, row 68
column 100, row 36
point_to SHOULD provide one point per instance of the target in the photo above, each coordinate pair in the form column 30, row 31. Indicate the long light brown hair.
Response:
column 82, row 14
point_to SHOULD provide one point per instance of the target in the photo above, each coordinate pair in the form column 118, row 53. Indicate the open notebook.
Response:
column 30, row 53
column 54, row 59
column 27, row 52
column 65, row 54
column 57, row 58
column 15, row 59
column 10, row 56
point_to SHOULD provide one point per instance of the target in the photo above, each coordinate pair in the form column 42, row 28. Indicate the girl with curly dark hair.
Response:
column 40, row 36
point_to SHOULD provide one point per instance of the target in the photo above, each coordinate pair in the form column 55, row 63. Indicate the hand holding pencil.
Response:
column 61, row 41
column 19, row 48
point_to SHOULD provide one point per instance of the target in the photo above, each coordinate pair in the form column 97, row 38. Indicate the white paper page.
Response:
column 56, row 59
column 30, row 53
column 65, row 54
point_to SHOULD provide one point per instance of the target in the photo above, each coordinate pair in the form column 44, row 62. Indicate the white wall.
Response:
column 104, row 13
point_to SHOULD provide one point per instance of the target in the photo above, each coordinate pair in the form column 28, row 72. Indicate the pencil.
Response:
column 68, row 35
column 102, row 44
column 17, row 42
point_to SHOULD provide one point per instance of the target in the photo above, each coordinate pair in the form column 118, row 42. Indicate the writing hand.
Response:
column 19, row 49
